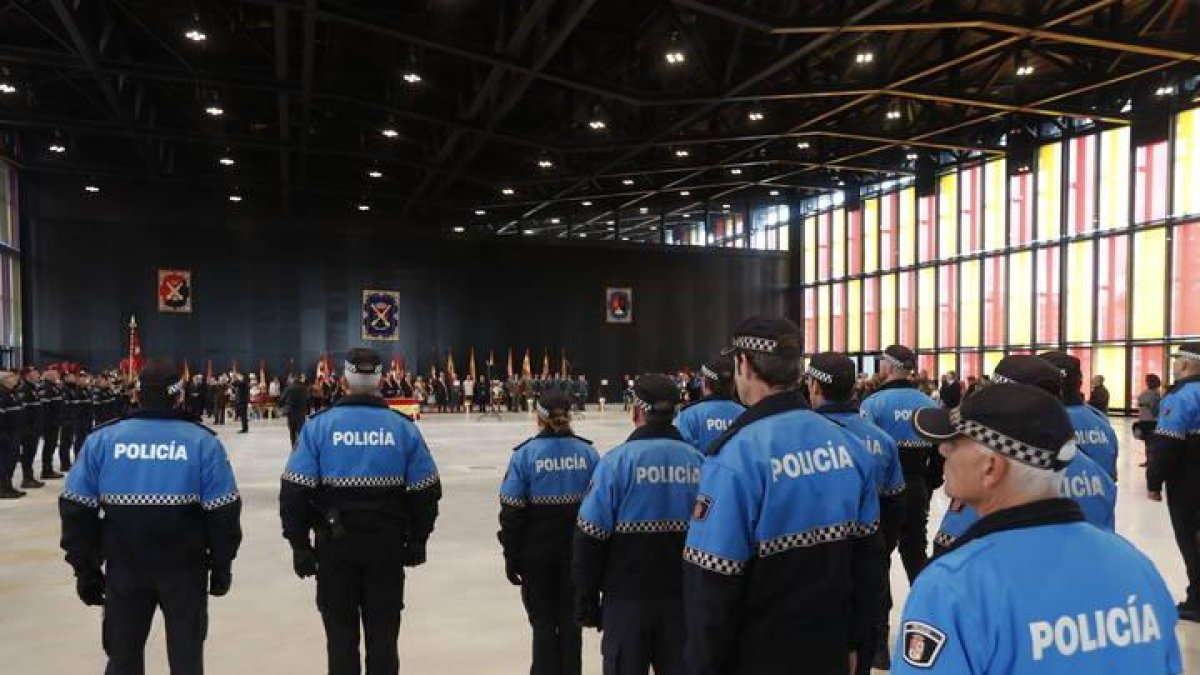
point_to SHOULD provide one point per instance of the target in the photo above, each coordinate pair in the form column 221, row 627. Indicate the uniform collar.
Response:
column 158, row 414
column 898, row 384
column 1072, row 398
column 361, row 399
column 837, row 407
column 1034, row 514
column 706, row 399
column 1180, row 383
column 781, row 402
column 649, row 431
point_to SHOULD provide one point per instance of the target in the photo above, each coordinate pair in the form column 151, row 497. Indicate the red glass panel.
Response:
column 1081, row 186
column 948, row 306
column 887, row 231
column 1147, row 361
column 810, row 320
column 926, row 242
column 871, row 314
column 970, row 363
column 1150, row 193
column 1112, row 302
column 927, row 365
column 994, row 301
column 1048, row 295
column 854, row 238
column 908, row 308
column 1085, row 366
column 823, row 235
column 839, row 317
column 972, row 209
column 1185, row 280
column 1020, row 195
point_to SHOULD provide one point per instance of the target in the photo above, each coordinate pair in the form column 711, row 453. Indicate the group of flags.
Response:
column 526, row 370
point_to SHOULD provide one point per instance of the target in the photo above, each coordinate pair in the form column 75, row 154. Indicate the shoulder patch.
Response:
column 701, row 508
column 923, row 644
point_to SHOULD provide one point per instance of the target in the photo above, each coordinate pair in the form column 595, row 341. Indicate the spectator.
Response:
column 1099, row 396
column 1147, row 403
column 951, row 390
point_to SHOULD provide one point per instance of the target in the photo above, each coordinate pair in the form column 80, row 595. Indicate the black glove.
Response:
column 587, row 612
column 220, row 578
column 89, row 586
column 304, row 560
column 513, row 573
column 414, row 554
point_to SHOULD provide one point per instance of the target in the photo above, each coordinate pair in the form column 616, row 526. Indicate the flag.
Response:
column 491, row 358
column 291, row 366
column 187, row 372
column 526, row 366
column 403, row 366
column 565, row 366
column 545, row 364
column 471, row 365
column 208, row 375
column 235, row 367
column 450, row 366
column 262, row 371
column 510, row 367
column 131, row 365
column 322, row 371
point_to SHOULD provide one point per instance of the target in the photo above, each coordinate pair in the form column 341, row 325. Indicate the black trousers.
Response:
column 66, row 441
column 549, row 598
column 10, row 454
column 81, row 433
column 50, row 437
column 244, row 414
column 294, row 424
column 129, row 604
column 638, row 635
column 1183, row 502
column 360, row 588
column 29, row 448
column 914, row 540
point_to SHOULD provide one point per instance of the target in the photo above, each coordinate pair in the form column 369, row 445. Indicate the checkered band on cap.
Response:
column 642, row 404
column 557, row 500
column 892, row 491
column 819, row 375
column 223, row 500
column 90, row 502
column 425, row 483
column 709, row 373
column 148, row 500
column 515, row 502
column 652, row 526
column 997, row 378
column 895, row 361
column 1159, row 431
column 1040, row 458
column 175, row 388
column 363, row 481
column 300, row 479
column 368, row 370
column 592, row 530
column 755, row 344
column 944, row 540
column 1190, row 356
column 821, row 535
column 541, row 411
column 714, row 563
column 912, row 444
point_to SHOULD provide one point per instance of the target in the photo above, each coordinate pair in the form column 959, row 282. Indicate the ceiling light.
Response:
column 676, row 57
column 597, row 125
column 681, row 153
column 755, row 116
column 583, row 235
column 7, row 88
column 459, row 229
column 841, row 183
column 725, row 207
column 227, row 161
column 555, row 221
column 644, row 210
column 195, row 35
column 91, row 188
column 57, row 148
column 863, row 58
column 390, row 133
column 585, row 203
column 1128, row 106
column 412, row 77
column 684, row 193
column 235, row 197
column 508, row 192
column 527, row 232
column 1165, row 90
column 545, row 164
column 803, row 145
column 627, row 181
column 735, row 171
column 1024, row 71
column 774, row 193
column 375, row 173
column 912, row 156
column 215, row 110
column 624, row 238
column 480, row 212
column 893, row 114
column 364, row 207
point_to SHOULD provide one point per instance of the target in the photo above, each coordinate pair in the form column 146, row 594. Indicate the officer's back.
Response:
column 891, row 408
column 703, row 421
column 1094, row 434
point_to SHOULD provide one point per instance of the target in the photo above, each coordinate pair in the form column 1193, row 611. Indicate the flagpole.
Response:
column 132, row 327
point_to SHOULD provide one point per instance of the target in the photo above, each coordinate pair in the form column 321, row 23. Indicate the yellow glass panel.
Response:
column 854, row 316
column 994, row 198
column 945, row 364
column 823, row 319
column 1114, row 178
column 1080, row 272
column 839, row 243
column 810, row 249
column 1020, row 298
column 969, row 308
column 887, row 310
column 926, row 307
column 990, row 360
column 870, row 235
column 1187, row 162
column 1149, row 283
column 1049, row 191
column 908, row 227
column 948, row 215
column 1110, row 362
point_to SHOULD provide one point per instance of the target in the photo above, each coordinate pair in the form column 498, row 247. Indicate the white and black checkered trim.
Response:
column 652, row 526
column 944, row 540
column 541, row 411
column 148, row 500
column 714, row 563
column 300, row 479
column 997, row 378
column 515, row 502
column 819, row 375
column 363, row 481
column 914, row 444
column 90, row 502
column 821, row 535
column 709, row 373
column 592, row 530
column 557, row 500
column 895, row 361
column 892, row 491
column 755, row 344
column 425, row 483
column 1041, row 458
column 214, row 504
column 371, row 370
column 1170, row 433
column 1190, row 356
column 640, row 403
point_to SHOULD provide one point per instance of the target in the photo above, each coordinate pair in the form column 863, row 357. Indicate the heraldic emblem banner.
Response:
column 380, row 315
column 618, row 305
column 175, row 291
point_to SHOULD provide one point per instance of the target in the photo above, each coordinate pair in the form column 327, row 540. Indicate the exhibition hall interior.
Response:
column 686, row 337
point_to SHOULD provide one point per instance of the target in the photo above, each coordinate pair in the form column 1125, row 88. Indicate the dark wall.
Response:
column 276, row 288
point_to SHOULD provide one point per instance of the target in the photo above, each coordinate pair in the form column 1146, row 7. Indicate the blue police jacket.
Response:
column 370, row 465
column 544, row 485
column 891, row 408
column 632, row 523
column 784, row 536
column 1175, row 444
column 1035, row 590
column 1083, row 481
column 704, row 421
column 889, row 475
column 1094, row 435
column 168, row 494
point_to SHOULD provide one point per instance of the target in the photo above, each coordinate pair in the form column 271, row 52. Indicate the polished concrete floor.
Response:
column 462, row 616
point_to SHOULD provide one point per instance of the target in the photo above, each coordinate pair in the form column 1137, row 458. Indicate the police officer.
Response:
column 170, row 531
column 1009, row 596
column 702, row 421
column 1082, row 480
column 362, row 477
column 543, row 487
column 70, row 428
column 1175, row 460
column 31, row 425
column 1093, row 432
column 53, row 412
column 784, row 563
column 630, row 538
column 10, row 442
column 891, row 408
column 831, row 378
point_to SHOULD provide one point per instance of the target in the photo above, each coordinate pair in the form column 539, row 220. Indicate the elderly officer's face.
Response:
column 969, row 470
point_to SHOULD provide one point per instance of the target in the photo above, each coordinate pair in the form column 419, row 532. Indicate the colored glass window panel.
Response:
column 926, row 308
column 971, row 209
column 1112, row 287
column 839, row 244
column 1020, row 196
column 871, row 314
column 1150, row 174
column 854, row 316
column 809, row 253
column 1020, row 298
column 994, row 305
column 887, row 310
column 1149, row 283
column 995, row 228
column 887, row 231
column 927, row 365
column 1081, row 185
column 990, row 361
column 1086, row 358
column 823, row 221
column 811, row 324
column 1114, row 178
column 1147, row 361
column 1080, row 268
column 946, row 363
column 854, row 242
column 907, row 232
column 948, row 215
column 948, row 306
column 1109, row 362
column 8, row 209
column 823, row 319
column 908, row 310
column 1049, row 192
column 926, row 244
column 1185, row 279
column 1048, row 295
column 870, row 220
column 838, row 302
column 1187, row 163
column 971, row 289
column 970, row 363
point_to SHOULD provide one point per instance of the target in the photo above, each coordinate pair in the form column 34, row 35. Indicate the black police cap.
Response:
column 1187, row 350
column 720, row 367
column 1069, row 365
column 1020, row 421
column 832, row 368
column 553, row 400
column 766, row 335
column 1028, row 369
column 159, row 374
column 364, row 360
column 900, row 357
column 655, row 393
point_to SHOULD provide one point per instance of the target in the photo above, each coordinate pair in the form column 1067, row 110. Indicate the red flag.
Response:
column 471, row 368
column 132, row 363
column 510, row 366
column 208, row 372
column 187, row 372
column 262, row 371
column 545, row 364
column 526, row 366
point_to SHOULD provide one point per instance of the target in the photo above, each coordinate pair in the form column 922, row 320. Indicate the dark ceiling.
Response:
column 771, row 94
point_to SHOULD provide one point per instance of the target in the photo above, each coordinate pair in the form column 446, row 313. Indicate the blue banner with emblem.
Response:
column 380, row 315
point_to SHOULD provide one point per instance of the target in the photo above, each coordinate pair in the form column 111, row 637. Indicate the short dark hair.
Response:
column 775, row 370
column 836, row 391
column 1153, row 381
